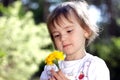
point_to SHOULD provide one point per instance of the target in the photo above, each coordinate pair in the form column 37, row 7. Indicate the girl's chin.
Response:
column 68, row 52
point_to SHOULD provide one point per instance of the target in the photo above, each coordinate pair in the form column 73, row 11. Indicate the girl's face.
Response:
column 69, row 36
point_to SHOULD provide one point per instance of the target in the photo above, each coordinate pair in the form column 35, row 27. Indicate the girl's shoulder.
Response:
column 97, row 64
column 94, row 59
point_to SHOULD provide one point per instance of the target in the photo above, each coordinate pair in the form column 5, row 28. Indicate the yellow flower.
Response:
column 55, row 55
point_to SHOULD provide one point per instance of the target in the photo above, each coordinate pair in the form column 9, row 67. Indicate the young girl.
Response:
column 71, row 31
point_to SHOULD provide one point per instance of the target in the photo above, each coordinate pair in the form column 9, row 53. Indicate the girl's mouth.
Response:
column 66, row 45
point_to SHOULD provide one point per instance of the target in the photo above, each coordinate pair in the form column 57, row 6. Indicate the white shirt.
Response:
column 92, row 67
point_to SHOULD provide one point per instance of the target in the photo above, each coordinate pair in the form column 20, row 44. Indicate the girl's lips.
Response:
column 64, row 46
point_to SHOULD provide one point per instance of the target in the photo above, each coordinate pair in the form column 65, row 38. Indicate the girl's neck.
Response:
column 75, row 56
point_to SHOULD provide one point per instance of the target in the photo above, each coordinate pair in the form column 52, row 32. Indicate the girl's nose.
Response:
column 63, row 37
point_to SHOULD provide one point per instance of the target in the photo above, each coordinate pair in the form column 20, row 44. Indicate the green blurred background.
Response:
column 25, row 42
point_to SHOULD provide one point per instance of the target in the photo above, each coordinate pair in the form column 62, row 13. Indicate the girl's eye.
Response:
column 69, row 31
column 55, row 36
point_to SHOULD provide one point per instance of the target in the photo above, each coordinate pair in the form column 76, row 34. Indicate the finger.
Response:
column 52, row 78
column 49, row 79
column 55, row 75
column 60, row 73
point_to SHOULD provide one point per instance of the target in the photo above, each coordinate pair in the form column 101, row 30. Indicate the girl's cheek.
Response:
column 59, row 46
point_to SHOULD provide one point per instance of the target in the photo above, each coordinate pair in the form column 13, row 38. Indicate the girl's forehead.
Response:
column 63, row 20
column 62, row 23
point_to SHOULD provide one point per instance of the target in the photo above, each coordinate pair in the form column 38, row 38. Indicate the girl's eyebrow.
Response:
column 55, row 31
column 66, row 27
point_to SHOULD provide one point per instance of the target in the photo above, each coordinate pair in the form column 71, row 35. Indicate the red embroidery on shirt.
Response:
column 81, row 76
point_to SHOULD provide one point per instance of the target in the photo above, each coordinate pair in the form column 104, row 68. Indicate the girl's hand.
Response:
column 57, row 75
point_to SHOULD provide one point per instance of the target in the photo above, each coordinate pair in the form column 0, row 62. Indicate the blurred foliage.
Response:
column 40, row 8
column 38, row 73
column 37, row 7
column 22, row 45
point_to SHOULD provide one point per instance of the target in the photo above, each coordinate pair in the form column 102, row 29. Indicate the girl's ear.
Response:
column 87, row 33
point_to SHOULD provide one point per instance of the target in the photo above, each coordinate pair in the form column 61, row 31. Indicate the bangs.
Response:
column 60, row 20
column 58, row 15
